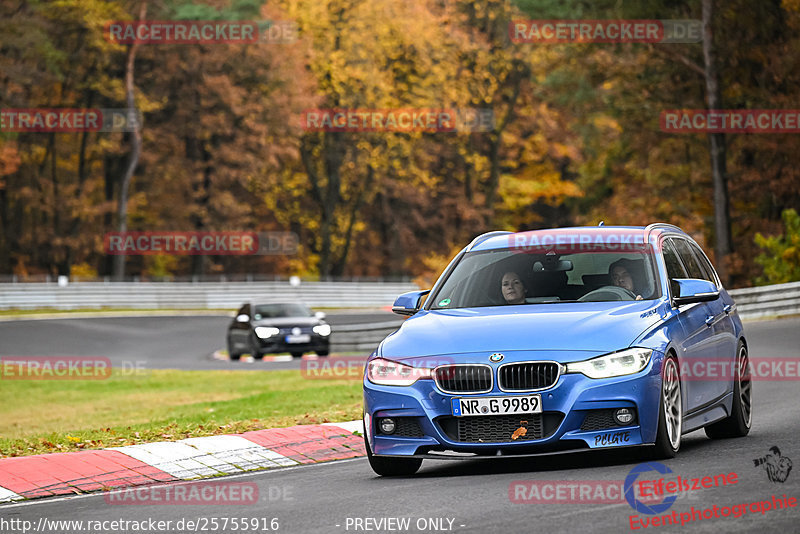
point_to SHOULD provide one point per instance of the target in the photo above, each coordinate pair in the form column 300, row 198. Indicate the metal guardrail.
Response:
column 187, row 295
column 362, row 337
column 767, row 301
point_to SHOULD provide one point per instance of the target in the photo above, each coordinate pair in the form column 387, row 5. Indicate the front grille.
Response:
column 405, row 427
column 499, row 428
column 602, row 420
column 527, row 376
column 408, row 427
column 287, row 330
column 464, row 378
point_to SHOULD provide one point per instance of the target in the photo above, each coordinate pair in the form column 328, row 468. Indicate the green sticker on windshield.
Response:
column 444, row 302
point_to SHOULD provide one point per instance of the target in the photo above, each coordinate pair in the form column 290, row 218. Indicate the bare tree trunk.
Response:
column 722, row 222
column 136, row 149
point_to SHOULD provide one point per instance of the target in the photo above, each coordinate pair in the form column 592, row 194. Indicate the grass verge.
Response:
column 41, row 416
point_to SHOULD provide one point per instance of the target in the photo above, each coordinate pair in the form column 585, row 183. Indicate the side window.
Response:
column 674, row 267
column 705, row 266
column 688, row 259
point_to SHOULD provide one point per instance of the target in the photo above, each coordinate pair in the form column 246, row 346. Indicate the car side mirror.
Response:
column 242, row 318
column 408, row 303
column 691, row 290
column 319, row 315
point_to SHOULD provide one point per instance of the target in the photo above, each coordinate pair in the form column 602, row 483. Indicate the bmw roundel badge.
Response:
column 496, row 357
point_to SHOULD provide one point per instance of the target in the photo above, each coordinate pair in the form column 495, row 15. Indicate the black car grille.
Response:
column 528, row 376
column 464, row 378
column 406, row 427
column 601, row 420
column 287, row 330
column 500, row 428
column 493, row 429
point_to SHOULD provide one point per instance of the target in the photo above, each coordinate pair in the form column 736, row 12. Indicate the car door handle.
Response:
column 728, row 308
column 709, row 320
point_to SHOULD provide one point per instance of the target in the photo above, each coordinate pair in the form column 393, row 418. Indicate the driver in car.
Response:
column 512, row 288
column 621, row 277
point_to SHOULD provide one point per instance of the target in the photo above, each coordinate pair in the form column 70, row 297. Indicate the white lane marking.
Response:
column 8, row 495
column 350, row 426
column 235, row 449
column 48, row 500
column 207, row 456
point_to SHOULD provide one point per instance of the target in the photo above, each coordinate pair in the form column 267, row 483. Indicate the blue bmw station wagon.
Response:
column 559, row 340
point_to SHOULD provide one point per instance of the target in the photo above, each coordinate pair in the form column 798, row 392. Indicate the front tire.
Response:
column 670, row 412
column 232, row 354
column 738, row 423
column 391, row 467
column 255, row 350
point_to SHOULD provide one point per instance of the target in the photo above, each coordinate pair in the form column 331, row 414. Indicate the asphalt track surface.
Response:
column 179, row 342
column 474, row 494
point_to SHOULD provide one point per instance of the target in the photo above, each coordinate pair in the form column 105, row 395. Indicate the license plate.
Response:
column 300, row 338
column 497, row 405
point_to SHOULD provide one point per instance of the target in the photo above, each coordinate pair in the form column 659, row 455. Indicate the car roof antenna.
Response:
column 601, row 223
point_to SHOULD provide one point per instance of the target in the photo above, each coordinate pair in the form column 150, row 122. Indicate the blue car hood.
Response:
column 597, row 327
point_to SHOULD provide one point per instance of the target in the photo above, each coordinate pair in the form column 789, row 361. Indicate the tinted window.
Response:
column 674, row 267
column 688, row 259
column 536, row 276
column 270, row 311
column 705, row 266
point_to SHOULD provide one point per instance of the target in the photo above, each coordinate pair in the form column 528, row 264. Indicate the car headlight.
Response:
column 267, row 331
column 389, row 373
column 322, row 329
column 625, row 362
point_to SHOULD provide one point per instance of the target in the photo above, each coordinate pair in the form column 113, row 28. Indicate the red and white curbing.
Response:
column 29, row 477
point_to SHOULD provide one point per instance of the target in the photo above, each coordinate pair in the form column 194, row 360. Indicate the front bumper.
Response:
column 565, row 406
column 275, row 344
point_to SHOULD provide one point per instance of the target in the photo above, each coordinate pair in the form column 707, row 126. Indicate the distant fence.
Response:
column 768, row 301
column 362, row 337
column 765, row 301
column 187, row 295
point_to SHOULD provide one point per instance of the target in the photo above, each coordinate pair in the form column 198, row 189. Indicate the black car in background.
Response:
column 269, row 327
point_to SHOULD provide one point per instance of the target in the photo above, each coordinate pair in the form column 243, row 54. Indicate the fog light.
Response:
column 623, row 416
column 387, row 426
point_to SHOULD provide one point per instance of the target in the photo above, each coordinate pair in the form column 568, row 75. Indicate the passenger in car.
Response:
column 512, row 288
column 621, row 276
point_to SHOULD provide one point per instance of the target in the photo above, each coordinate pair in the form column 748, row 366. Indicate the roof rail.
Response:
column 483, row 237
column 659, row 225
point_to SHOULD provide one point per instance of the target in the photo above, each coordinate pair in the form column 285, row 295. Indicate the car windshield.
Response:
column 511, row 276
column 269, row 311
